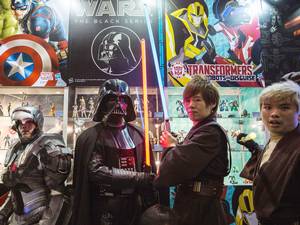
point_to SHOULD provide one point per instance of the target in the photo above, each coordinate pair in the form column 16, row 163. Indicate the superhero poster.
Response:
column 219, row 39
column 105, row 42
column 33, row 43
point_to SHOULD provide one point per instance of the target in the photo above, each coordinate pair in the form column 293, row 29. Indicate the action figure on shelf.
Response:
column 79, row 126
column 1, row 110
column 245, row 113
column 52, row 109
column 75, row 111
column 224, row 105
column 35, row 169
column 234, row 105
column 180, row 109
column 6, row 141
column 82, row 107
column 137, row 106
column 91, row 105
column 9, row 108
column 112, row 185
column 23, row 98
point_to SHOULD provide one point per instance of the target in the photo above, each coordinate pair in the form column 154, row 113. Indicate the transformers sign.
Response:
column 217, row 39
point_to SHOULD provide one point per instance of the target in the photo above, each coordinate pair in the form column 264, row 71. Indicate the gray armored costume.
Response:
column 35, row 171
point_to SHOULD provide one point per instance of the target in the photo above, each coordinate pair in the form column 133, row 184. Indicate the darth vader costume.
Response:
column 111, row 184
column 35, row 169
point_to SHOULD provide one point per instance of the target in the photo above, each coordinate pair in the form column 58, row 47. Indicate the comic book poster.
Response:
column 33, row 42
column 105, row 42
column 219, row 39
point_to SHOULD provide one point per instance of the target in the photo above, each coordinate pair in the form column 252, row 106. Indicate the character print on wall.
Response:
column 113, row 52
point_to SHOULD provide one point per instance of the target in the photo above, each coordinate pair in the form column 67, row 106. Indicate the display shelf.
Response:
column 238, row 112
column 48, row 100
column 83, row 101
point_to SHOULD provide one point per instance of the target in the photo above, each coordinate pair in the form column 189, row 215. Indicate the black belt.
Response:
column 210, row 189
column 107, row 192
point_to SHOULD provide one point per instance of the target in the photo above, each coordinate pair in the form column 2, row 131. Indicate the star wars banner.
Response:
column 219, row 39
column 33, row 42
column 105, row 42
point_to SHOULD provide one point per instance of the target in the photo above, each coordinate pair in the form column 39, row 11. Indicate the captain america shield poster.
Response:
column 27, row 60
column 34, row 43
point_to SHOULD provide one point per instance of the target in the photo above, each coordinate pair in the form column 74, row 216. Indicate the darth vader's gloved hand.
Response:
column 250, row 144
column 144, row 179
column 140, row 179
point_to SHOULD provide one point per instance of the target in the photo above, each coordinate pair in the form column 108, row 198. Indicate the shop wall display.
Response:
column 34, row 45
column 223, row 45
column 108, row 34
column 84, row 100
column 49, row 101
column 232, row 117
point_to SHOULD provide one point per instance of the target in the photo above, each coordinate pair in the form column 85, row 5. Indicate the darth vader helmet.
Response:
column 114, row 99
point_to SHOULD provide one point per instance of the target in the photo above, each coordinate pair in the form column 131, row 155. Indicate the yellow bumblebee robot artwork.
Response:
column 245, row 214
column 187, row 39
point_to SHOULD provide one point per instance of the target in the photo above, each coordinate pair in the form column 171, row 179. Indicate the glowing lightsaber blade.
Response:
column 155, row 58
column 145, row 102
